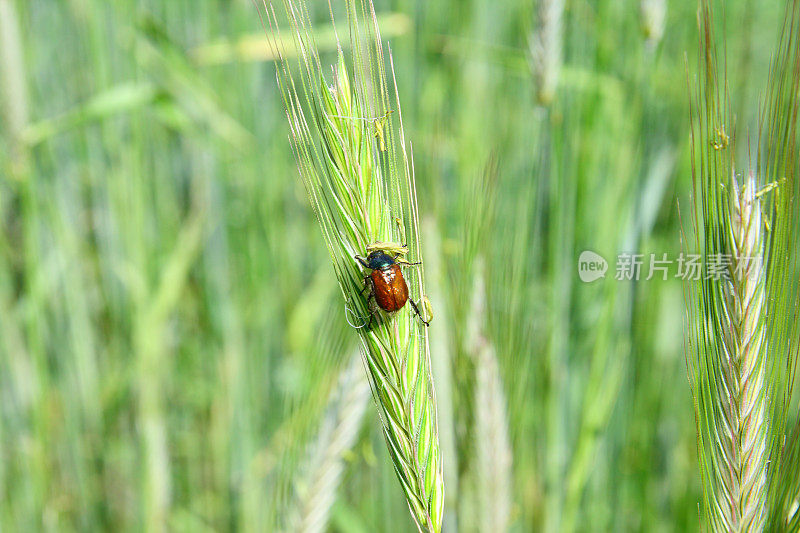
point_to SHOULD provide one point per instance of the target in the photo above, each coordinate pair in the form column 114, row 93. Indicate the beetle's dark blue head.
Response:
column 378, row 260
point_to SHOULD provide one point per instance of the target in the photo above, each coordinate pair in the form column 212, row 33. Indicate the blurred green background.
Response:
column 170, row 326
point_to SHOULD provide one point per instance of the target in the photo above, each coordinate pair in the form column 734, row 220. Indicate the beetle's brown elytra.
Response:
column 389, row 288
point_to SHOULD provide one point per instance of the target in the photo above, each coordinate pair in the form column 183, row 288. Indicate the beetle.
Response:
column 389, row 288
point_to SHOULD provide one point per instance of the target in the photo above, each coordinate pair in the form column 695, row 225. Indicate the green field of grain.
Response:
column 175, row 351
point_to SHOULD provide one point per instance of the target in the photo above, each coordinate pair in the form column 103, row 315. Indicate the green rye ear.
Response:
column 742, row 311
column 348, row 137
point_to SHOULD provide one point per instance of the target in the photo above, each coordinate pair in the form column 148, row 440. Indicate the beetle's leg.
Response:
column 371, row 296
column 371, row 318
column 361, row 260
column 402, row 262
column 366, row 285
column 416, row 310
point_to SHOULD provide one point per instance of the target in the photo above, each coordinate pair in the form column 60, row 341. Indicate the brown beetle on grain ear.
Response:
column 389, row 288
